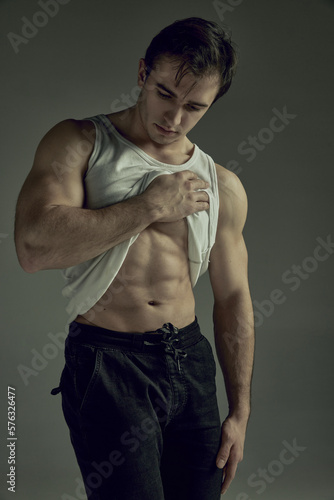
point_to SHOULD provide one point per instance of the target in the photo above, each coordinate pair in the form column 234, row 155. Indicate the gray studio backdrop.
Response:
column 77, row 58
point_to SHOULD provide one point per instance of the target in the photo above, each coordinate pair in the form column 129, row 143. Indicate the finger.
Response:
column 202, row 205
column 223, row 455
column 229, row 474
column 189, row 175
column 200, row 196
column 199, row 184
column 195, row 182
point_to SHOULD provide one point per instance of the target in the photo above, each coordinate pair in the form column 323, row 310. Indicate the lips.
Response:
column 165, row 130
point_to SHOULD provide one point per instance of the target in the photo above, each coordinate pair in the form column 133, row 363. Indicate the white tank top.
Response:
column 117, row 170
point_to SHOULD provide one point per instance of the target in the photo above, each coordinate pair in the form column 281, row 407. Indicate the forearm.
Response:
column 234, row 339
column 63, row 236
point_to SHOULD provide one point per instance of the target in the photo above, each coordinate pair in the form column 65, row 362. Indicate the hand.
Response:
column 175, row 196
column 231, row 449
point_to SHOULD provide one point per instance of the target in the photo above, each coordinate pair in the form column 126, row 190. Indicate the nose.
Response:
column 173, row 117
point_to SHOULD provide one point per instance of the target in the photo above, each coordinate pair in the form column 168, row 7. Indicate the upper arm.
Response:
column 56, row 177
column 228, row 258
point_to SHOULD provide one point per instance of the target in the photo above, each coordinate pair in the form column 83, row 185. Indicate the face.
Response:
column 168, row 112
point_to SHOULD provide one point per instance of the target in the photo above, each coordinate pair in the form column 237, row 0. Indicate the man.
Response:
column 133, row 213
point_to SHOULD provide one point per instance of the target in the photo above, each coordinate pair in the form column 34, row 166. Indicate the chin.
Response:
column 159, row 139
column 163, row 140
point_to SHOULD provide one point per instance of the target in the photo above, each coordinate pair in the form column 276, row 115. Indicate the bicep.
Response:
column 56, row 177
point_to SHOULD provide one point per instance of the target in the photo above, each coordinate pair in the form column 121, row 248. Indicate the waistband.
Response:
column 96, row 336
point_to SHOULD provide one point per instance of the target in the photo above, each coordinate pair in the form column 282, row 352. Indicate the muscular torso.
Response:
column 153, row 285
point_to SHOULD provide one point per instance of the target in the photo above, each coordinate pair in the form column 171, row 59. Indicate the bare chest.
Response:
column 176, row 230
column 161, row 247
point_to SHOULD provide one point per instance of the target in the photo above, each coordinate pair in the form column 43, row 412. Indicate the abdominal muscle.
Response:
column 153, row 285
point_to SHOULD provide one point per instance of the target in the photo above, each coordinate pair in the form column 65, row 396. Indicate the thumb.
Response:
column 222, row 456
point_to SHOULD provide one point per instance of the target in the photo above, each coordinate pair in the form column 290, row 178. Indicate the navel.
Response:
column 152, row 303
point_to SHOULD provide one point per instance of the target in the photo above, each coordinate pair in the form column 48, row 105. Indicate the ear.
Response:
column 142, row 73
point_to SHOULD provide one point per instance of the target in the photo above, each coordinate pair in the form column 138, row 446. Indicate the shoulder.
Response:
column 70, row 136
column 67, row 147
column 233, row 203
column 71, row 132
column 229, row 183
column 73, row 129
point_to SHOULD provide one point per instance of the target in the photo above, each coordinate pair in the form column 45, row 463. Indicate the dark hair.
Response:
column 200, row 47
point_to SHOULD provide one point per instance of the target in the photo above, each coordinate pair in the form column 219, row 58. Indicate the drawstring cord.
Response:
column 169, row 339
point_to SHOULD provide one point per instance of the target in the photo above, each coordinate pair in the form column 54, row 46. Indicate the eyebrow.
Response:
column 162, row 87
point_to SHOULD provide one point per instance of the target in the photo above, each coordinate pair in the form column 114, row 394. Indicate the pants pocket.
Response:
column 209, row 357
column 86, row 370
column 67, row 375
